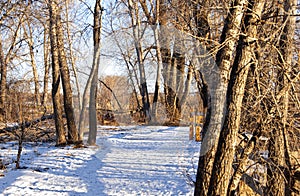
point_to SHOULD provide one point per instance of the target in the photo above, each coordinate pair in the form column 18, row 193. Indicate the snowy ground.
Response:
column 128, row 161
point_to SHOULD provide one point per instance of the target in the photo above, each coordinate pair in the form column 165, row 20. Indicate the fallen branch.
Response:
column 27, row 124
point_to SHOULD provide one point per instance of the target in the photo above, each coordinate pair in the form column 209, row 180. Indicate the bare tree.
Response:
column 246, row 55
column 71, row 57
column 66, row 81
column 46, row 59
column 137, row 36
column 5, row 58
column 29, row 38
column 279, row 171
column 90, row 91
column 224, row 58
column 56, row 97
column 93, row 89
column 154, row 22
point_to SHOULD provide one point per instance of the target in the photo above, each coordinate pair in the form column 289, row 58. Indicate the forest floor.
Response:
column 135, row 160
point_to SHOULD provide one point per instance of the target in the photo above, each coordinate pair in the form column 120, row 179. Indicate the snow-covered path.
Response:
column 129, row 161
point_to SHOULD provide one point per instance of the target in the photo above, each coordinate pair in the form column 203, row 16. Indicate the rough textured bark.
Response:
column 66, row 83
column 93, row 89
column 224, row 60
column 245, row 56
column 279, row 170
column 57, row 107
column 187, row 85
column 2, row 83
column 242, row 164
column 93, row 112
column 176, row 79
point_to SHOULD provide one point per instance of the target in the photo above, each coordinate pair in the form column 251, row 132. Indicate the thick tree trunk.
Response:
column 176, row 82
column 85, row 99
column 165, row 39
column 224, row 60
column 56, row 98
column 245, row 56
column 66, row 83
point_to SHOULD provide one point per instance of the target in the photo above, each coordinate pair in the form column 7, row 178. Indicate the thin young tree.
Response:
column 94, row 83
column 90, row 90
column 29, row 38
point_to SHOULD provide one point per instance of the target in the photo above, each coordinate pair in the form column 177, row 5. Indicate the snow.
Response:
column 132, row 160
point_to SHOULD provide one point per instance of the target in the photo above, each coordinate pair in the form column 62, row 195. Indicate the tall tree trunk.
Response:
column 224, row 60
column 94, row 84
column 56, row 98
column 165, row 39
column 134, row 14
column 4, row 60
column 159, row 61
column 245, row 56
column 93, row 112
column 72, row 60
column 29, row 38
column 279, row 171
column 66, row 83
column 47, row 68
column 2, row 83
column 176, row 79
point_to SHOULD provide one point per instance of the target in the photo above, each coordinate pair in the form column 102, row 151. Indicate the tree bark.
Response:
column 279, row 180
column 93, row 89
column 47, row 68
column 136, row 28
column 4, row 60
column 66, row 83
column 245, row 56
column 56, row 98
column 2, row 83
column 72, row 61
column 29, row 38
column 224, row 60
column 159, row 61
